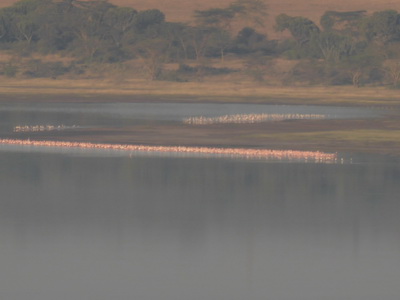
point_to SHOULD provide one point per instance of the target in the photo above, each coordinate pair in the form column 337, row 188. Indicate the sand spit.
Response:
column 314, row 156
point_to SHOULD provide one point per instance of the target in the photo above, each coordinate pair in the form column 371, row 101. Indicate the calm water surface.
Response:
column 120, row 114
column 114, row 227
column 101, row 226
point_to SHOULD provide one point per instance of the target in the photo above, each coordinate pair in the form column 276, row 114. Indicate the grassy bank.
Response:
column 142, row 90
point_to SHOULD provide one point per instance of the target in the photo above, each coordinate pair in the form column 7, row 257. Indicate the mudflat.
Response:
column 379, row 135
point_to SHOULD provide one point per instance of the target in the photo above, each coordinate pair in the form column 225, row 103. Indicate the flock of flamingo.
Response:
column 312, row 156
column 38, row 128
column 249, row 118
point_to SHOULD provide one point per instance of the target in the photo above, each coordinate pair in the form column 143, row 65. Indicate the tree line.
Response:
column 347, row 46
column 344, row 48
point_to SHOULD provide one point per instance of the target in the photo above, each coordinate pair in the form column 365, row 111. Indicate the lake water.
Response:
column 109, row 226
column 120, row 114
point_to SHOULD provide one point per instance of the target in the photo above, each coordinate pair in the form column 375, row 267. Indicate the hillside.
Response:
column 368, row 55
column 182, row 10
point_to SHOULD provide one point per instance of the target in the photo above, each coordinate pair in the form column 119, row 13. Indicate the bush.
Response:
column 10, row 70
column 171, row 76
column 77, row 68
column 376, row 75
column 340, row 79
column 186, row 69
column 307, row 71
column 257, row 66
column 22, row 48
column 37, row 68
column 204, row 70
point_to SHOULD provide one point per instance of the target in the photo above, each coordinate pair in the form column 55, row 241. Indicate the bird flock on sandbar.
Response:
column 249, row 118
column 312, row 156
column 39, row 128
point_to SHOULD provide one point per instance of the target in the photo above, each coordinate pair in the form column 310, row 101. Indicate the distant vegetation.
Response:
column 55, row 38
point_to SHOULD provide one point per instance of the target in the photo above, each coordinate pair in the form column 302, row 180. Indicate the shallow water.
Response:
column 114, row 227
column 119, row 114
column 102, row 225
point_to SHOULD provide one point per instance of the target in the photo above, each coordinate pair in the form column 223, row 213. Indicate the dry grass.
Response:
column 5, row 57
column 4, row 3
column 245, row 91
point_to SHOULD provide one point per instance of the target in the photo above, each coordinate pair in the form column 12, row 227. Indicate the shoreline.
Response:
column 373, row 136
column 379, row 135
column 314, row 156
column 108, row 91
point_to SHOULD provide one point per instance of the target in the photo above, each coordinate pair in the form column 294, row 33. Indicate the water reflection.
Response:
column 76, row 227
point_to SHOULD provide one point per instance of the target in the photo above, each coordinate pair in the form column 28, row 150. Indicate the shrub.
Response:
column 257, row 66
column 183, row 68
column 171, row 76
column 307, row 71
column 10, row 70
column 37, row 68
column 205, row 70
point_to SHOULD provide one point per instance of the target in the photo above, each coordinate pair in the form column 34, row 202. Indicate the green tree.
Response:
column 215, row 24
column 301, row 29
column 199, row 38
column 25, row 7
column 220, row 40
column 119, row 20
column 5, row 25
column 215, row 17
column 89, row 29
column 252, row 12
column 248, row 40
column 55, row 32
column 347, row 22
column 334, row 46
column 147, row 18
column 382, row 27
column 257, row 66
column 178, row 41
column 25, row 18
column 359, row 65
column 152, row 53
column 212, row 30
column 303, row 32
column 392, row 70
